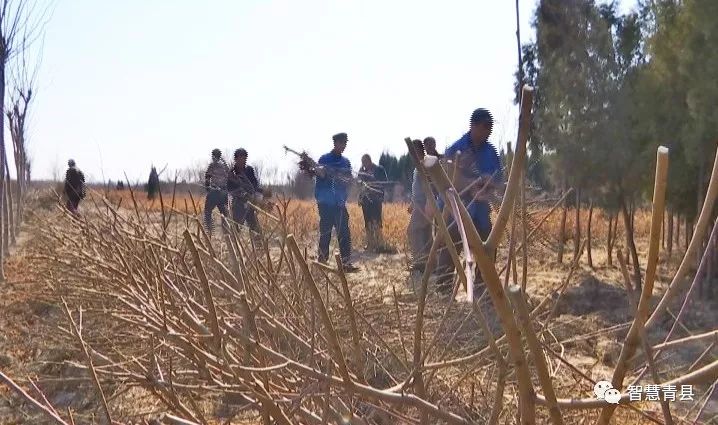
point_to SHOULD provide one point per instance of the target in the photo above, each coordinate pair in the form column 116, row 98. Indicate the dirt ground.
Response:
column 592, row 318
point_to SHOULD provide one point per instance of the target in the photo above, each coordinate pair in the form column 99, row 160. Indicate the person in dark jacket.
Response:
column 215, row 182
column 430, row 147
column 243, row 185
column 74, row 186
column 371, row 200
column 333, row 174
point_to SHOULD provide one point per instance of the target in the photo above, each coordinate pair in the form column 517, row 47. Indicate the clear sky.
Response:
column 126, row 84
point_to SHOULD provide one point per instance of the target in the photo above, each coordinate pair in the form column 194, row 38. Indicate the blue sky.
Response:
column 127, row 84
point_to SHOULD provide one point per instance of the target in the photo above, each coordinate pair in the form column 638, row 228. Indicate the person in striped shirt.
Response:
column 215, row 182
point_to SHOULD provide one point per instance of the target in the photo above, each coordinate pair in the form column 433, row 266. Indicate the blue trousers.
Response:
column 334, row 217
column 445, row 265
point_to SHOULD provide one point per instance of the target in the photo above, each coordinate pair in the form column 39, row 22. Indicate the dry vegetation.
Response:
column 83, row 263
column 132, row 313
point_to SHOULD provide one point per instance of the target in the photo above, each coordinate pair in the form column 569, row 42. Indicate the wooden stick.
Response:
column 496, row 291
column 519, row 303
column 91, row 367
column 692, row 250
column 515, row 174
column 332, row 337
column 22, row 393
column 350, row 310
column 633, row 338
column 543, row 220
column 644, row 338
column 211, row 316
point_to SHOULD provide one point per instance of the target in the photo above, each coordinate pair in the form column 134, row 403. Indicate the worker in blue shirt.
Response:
column 333, row 177
column 477, row 162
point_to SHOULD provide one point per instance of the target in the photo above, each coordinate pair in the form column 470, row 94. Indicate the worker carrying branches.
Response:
column 333, row 175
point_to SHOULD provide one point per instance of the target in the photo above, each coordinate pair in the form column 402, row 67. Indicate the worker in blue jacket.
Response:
column 477, row 161
column 333, row 178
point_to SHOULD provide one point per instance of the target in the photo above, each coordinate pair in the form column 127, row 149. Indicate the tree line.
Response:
column 611, row 88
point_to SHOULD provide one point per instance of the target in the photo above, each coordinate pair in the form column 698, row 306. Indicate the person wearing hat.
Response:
column 215, row 182
column 477, row 160
column 243, row 185
column 74, row 186
column 333, row 177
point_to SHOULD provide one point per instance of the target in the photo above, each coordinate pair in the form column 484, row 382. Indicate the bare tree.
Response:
column 16, row 112
column 20, row 24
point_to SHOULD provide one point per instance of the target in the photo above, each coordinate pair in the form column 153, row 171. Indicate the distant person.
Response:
column 74, row 186
column 479, row 161
column 371, row 200
column 243, row 185
column 430, row 147
column 215, row 182
column 333, row 174
column 419, row 230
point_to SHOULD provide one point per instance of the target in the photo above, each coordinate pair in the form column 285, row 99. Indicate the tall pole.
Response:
column 518, row 45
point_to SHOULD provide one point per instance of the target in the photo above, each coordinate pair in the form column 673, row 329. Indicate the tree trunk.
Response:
column 20, row 193
column 588, row 233
column 669, row 237
column 562, row 231
column 577, row 226
column 701, row 184
column 633, row 215
column 630, row 242
column 7, row 231
column 664, row 229
column 3, row 223
column 6, row 207
column 678, row 231
column 10, row 210
column 609, row 240
column 689, row 231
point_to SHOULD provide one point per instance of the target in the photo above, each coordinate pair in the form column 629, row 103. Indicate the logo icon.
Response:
column 604, row 391
column 612, row 396
column 600, row 389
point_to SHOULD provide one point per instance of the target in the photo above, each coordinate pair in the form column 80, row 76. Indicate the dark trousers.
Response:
column 372, row 223
column 73, row 202
column 215, row 199
column 372, row 214
column 334, row 217
column 243, row 213
column 445, row 266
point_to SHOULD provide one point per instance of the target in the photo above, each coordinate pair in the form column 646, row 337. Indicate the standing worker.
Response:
column 430, row 147
column 243, row 185
column 215, row 182
column 371, row 199
column 333, row 176
column 74, row 186
column 479, row 161
column 419, row 230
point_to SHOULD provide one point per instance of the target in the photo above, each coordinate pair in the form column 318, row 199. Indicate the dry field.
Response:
column 89, row 265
